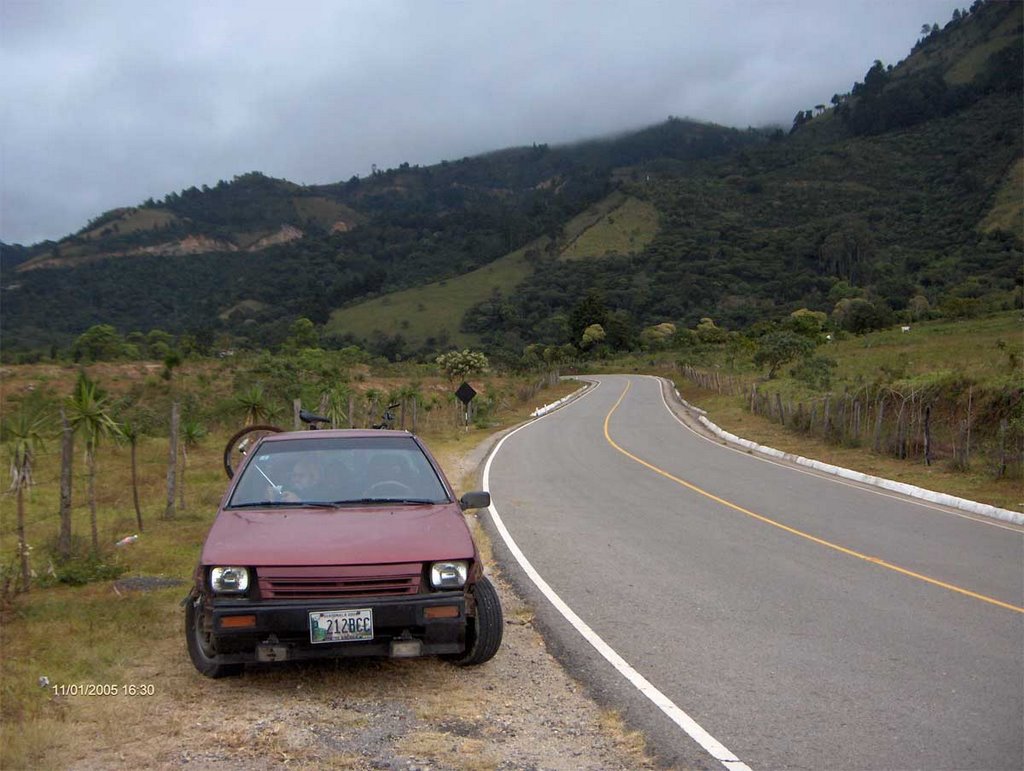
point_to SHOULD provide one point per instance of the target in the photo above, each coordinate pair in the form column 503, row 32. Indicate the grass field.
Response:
column 434, row 310
column 989, row 350
column 619, row 225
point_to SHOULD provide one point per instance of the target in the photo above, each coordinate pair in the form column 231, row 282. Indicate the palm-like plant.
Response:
column 89, row 413
column 192, row 433
column 337, row 405
column 253, row 402
column 23, row 435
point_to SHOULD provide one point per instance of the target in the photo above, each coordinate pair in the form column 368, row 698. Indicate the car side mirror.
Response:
column 475, row 500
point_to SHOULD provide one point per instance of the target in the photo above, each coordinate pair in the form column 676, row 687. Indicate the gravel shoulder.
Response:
column 521, row 710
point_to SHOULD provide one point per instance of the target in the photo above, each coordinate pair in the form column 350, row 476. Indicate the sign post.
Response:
column 465, row 394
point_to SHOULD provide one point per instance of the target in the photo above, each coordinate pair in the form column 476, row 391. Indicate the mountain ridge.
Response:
column 884, row 193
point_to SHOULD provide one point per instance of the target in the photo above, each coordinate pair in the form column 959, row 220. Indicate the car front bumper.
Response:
column 246, row 631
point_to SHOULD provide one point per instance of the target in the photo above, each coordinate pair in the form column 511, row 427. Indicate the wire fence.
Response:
column 961, row 427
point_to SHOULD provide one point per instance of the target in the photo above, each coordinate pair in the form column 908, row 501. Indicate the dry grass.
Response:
column 452, row 750
column 96, row 634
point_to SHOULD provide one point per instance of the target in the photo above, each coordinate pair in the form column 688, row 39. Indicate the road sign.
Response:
column 465, row 393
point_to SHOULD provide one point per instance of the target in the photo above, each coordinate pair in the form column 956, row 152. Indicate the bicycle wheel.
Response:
column 239, row 445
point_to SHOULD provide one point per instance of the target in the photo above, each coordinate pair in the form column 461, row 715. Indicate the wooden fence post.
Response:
column 879, row 416
column 928, row 435
column 172, row 459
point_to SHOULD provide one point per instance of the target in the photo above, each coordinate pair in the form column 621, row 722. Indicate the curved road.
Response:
column 802, row 622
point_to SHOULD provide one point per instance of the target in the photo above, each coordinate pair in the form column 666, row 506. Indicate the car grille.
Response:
column 338, row 581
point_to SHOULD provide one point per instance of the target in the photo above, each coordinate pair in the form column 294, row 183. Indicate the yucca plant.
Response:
column 91, row 417
column 254, row 404
column 23, row 434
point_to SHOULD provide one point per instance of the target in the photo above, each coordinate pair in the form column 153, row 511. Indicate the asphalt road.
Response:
column 801, row 621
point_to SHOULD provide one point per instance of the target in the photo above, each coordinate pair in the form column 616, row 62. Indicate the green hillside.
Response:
column 905, row 196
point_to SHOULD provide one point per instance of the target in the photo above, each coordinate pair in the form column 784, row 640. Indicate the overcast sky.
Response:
column 105, row 104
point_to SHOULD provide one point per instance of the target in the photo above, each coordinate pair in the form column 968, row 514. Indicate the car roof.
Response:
column 329, row 433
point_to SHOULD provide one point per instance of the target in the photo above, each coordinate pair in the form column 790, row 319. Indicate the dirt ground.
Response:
column 519, row 711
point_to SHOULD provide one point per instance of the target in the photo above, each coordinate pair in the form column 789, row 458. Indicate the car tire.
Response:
column 485, row 628
column 200, row 649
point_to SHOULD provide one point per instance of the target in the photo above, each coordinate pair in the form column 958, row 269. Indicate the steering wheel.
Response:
column 381, row 489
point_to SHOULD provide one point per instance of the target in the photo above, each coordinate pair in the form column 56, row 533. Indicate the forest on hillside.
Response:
column 884, row 202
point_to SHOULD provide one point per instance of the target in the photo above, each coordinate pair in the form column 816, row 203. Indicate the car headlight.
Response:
column 449, row 575
column 229, row 580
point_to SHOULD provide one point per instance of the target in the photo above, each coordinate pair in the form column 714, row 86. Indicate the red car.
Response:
column 340, row 543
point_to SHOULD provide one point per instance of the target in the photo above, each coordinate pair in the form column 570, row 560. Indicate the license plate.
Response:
column 329, row 626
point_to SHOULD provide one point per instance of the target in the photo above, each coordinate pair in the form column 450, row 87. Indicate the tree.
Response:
column 708, row 332
column 459, row 365
column 158, row 344
column 808, row 323
column 658, row 336
column 171, row 362
column 590, row 310
column 302, row 334
column 918, row 307
column 619, row 330
column 858, row 315
column 90, row 416
column 592, row 335
column 848, row 252
column 777, row 348
column 23, row 435
column 98, row 343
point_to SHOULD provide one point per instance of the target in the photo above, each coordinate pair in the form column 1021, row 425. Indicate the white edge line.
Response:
column 921, row 495
column 692, row 728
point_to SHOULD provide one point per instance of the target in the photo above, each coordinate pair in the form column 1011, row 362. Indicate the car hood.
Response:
column 364, row 536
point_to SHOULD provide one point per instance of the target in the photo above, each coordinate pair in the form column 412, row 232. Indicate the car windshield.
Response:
column 338, row 471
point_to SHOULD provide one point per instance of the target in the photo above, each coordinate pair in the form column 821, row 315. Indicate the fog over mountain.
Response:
column 108, row 103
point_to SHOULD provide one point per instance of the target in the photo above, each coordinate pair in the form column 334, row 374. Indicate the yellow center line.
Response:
column 793, row 530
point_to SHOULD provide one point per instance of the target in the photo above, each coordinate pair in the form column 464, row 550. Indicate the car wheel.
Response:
column 200, row 646
column 484, row 630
